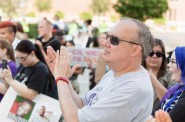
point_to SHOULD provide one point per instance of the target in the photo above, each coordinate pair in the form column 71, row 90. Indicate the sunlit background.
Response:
column 165, row 18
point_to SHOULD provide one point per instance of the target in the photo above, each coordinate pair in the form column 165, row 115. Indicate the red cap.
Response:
column 8, row 24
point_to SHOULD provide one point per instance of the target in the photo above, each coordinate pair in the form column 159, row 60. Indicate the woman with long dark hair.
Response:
column 157, row 62
column 32, row 71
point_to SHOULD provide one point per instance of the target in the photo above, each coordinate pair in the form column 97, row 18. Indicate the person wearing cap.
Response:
column 8, row 32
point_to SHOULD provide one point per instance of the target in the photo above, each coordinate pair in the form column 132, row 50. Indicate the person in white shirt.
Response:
column 125, row 93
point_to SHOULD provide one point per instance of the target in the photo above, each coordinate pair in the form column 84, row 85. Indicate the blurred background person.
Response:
column 8, row 32
column 45, row 36
column 20, row 34
column 160, row 116
column 47, row 39
column 7, row 53
column 92, row 43
column 93, row 40
column 157, row 62
column 89, row 27
column 59, row 35
column 101, row 38
column 55, row 28
column 73, row 28
column 57, row 21
column 173, row 99
column 98, row 69
column 32, row 72
column 25, row 25
column 74, row 77
column 101, row 67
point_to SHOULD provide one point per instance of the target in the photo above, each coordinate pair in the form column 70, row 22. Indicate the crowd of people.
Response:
column 132, row 81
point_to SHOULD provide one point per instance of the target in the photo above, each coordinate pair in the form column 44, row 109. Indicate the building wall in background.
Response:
column 176, row 10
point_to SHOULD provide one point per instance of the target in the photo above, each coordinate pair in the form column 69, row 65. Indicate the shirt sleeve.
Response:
column 178, row 112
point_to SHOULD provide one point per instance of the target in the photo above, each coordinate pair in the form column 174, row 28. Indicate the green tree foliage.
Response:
column 9, row 7
column 31, row 14
column 85, row 15
column 43, row 5
column 60, row 14
column 100, row 6
column 159, row 21
column 141, row 9
column 33, row 30
column 114, row 18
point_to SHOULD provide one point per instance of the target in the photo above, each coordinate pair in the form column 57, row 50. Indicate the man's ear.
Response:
column 136, row 50
column 32, row 52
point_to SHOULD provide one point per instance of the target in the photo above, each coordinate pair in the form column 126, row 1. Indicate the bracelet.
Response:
column 63, row 79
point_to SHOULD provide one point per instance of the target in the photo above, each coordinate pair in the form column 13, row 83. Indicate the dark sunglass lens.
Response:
column 159, row 54
column 151, row 54
column 114, row 40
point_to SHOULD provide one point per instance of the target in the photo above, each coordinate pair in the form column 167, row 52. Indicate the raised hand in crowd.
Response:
column 161, row 90
column 37, row 42
column 7, row 75
column 50, row 58
column 59, row 64
column 160, row 116
column 62, row 64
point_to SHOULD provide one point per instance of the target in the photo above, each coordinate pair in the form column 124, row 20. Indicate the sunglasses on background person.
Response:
column 115, row 40
column 158, row 54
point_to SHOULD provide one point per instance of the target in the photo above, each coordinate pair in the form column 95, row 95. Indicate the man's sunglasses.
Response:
column 115, row 40
column 158, row 54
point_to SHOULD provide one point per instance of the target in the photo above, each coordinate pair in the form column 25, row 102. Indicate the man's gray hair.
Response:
column 145, row 38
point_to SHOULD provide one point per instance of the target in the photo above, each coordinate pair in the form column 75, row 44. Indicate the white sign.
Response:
column 14, row 108
column 84, row 56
